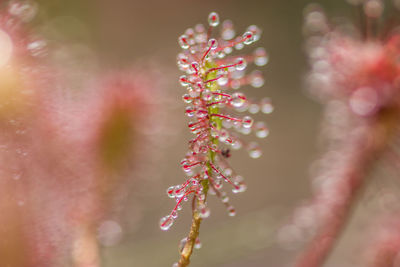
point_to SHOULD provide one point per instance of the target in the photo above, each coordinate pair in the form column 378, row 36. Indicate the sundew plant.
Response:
column 213, row 79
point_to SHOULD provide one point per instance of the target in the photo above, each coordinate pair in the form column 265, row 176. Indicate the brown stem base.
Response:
column 191, row 239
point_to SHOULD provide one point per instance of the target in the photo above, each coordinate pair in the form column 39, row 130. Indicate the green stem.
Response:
column 196, row 219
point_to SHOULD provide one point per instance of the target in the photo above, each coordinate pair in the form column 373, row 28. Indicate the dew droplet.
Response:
column 201, row 113
column 189, row 111
column 235, row 84
column 254, row 108
column 228, row 31
column 218, row 183
column 183, row 41
column 197, row 243
column 174, row 214
column 238, row 179
column 237, row 144
column 240, row 63
column 186, row 98
column 184, row 80
column 194, row 67
column 223, row 135
column 228, row 50
column 260, row 57
column 223, row 80
column 248, row 37
column 201, row 197
column 166, row 222
column 238, row 100
column 227, row 124
column 207, row 95
column 256, row 79
column 254, row 150
column 213, row 19
column 239, row 46
column 255, row 31
column 245, row 131
column 182, row 60
column 211, row 191
column 266, row 106
column 231, row 211
column 228, row 172
column 213, row 44
column 171, row 191
column 204, row 212
column 261, row 130
column 240, row 187
column 179, row 191
column 224, row 198
column 247, row 122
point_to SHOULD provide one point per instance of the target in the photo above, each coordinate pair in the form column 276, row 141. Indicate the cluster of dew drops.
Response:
column 211, row 74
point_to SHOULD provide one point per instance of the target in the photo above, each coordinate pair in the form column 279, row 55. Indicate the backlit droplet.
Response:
column 204, row 212
column 239, row 187
column 187, row 98
column 254, row 150
column 207, row 95
column 197, row 243
column 228, row 31
column 261, row 130
column 183, row 41
column 213, row 19
column 266, row 106
column 255, row 31
column 256, row 79
column 194, row 67
column 240, row 63
column 254, row 108
column 231, row 211
column 166, row 222
column 183, row 80
column 182, row 60
column 260, row 57
column 238, row 100
column 224, row 198
column 247, row 122
column 237, row 144
column 174, row 214
column 213, row 44
column 248, row 37
column 190, row 111
column 171, row 191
